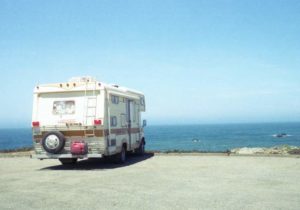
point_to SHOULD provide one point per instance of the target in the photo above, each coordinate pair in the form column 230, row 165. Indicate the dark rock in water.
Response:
column 280, row 135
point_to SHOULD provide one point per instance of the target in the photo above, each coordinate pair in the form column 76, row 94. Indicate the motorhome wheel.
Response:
column 141, row 149
column 53, row 142
column 120, row 158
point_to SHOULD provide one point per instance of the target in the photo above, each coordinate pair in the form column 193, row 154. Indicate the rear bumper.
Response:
column 57, row 156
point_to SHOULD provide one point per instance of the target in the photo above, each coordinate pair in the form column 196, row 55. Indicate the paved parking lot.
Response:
column 152, row 182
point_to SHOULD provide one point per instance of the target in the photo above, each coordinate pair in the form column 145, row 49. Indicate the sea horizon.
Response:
column 185, row 124
column 191, row 137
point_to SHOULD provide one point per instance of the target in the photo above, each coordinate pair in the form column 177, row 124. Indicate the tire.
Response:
column 53, row 142
column 120, row 158
column 68, row 161
column 141, row 149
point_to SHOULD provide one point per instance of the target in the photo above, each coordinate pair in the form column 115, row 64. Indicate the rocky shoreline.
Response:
column 277, row 150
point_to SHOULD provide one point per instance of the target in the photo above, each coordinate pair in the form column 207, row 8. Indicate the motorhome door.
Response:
column 129, row 113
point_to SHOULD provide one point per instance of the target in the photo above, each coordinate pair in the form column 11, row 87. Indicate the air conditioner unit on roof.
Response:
column 83, row 79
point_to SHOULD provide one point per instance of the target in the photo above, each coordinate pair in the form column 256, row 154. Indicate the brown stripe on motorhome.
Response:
column 97, row 133
column 135, row 130
column 38, row 136
column 37, row 140
column 122, row 131
column 117, row 131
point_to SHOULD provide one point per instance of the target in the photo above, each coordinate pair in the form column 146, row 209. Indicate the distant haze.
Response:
column 196, row 61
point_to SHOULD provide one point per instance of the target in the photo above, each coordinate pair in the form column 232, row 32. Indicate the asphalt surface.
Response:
column 152, row 182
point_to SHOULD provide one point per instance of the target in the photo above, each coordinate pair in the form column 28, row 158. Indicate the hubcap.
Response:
column 52, row 141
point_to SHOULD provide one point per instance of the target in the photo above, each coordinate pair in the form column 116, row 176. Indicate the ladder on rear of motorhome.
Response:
column 91, row 106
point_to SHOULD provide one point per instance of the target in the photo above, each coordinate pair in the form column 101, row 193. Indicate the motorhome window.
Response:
column 63, row 107
column 113, row 121
column 114, row 99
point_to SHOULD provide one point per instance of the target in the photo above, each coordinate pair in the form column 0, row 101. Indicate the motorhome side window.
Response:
column 63, row 107
column 113, row 121
column 114, row 99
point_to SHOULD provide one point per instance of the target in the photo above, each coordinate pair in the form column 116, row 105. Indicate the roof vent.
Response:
column 114, row 85
column 83, row 79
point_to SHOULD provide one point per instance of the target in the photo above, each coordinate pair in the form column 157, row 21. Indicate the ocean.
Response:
column 209, row 138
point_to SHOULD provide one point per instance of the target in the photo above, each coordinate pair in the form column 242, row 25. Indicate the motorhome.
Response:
column 85, row 118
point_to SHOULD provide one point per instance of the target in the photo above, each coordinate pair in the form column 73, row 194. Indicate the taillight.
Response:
column 36, row 124
column 97, row 122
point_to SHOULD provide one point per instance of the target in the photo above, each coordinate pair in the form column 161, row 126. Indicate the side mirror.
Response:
column 144, row 123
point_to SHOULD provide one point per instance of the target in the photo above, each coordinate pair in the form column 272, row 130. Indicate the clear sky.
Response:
column 213, row 61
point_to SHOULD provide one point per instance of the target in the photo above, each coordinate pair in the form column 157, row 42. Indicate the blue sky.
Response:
column 196, row 61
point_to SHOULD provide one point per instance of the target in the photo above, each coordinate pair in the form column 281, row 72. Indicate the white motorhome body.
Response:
column 85, row 118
